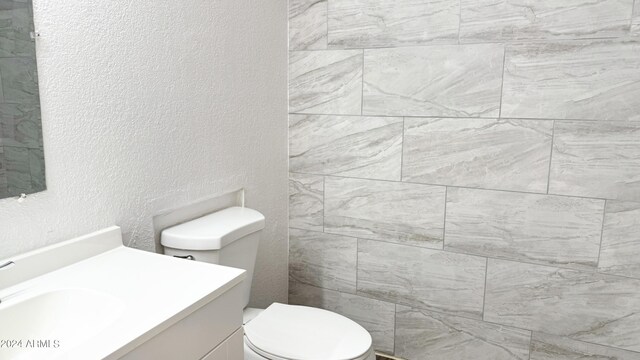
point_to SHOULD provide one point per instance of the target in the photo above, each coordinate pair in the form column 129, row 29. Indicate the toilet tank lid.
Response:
column 213, row 231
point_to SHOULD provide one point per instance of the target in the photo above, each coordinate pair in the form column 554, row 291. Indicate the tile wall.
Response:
column 465, row 174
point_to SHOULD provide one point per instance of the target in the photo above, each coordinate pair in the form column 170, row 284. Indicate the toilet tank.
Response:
column 227, row 237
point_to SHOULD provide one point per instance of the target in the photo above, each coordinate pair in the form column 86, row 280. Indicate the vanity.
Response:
column 93, row 298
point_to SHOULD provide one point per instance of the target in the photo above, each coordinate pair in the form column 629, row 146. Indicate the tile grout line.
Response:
column 633, row 11
column 402, row 148
column 452, row 186
column 604, row 214
column 484, row 295
column 324, row 191
column 504, row 70
column 362, row 86
column 518, row 42
column 327, row 25
column 357, row 262
column 530, row 343
column 395, row 326
column 459, row 19
column 553, row 136
column 444, row 220
column 628, row 122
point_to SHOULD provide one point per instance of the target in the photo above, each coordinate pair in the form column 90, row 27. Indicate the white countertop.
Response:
column 151, row 292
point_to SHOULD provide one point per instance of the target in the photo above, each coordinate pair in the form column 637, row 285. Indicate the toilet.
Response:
column 230, row 237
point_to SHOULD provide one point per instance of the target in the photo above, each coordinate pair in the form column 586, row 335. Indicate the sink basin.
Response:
column 48, row 320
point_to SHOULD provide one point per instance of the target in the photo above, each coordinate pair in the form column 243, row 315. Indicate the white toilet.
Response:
column 281, row 332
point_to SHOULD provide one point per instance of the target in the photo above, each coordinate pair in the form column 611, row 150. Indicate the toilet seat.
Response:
column 289, row 332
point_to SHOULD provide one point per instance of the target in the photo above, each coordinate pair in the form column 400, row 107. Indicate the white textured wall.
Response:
column 150, row 104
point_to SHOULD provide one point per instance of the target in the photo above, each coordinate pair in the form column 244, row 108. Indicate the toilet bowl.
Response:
column 230, row 237
column 285, row 332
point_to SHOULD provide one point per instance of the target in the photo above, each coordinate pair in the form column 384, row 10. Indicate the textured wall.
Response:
column 147, row 105
column 465, row 175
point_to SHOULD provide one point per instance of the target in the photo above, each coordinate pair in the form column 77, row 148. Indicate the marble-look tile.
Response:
column 547, row 347
column 421, row 334
column 554, row 230
column 16, row 24
column 363, row 147
column 378, row 317
column 37, row 170
column 620, row 253
column 422, row 278
column 583, row 305
column 381, row 23
column 480, row 153
column 20, row 125
column 307, row 24
column 324, row 260
column 591, row 80
column 411, row 214
column 325, row 82
column 306, row 201
column 596, row 159
column 490, row 20
column 19, row 80
column 448, row 80
column 17, row 170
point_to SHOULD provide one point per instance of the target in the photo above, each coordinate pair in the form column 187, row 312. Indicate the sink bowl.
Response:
column 41, row 323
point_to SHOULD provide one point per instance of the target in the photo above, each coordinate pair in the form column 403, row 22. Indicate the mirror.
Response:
column 21, row 155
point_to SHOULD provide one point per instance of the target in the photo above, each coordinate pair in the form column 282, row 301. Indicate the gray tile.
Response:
column 37, row 170
column 307, row 24
column 390, row 211
column 19, row 80
column 620, row 252
column 380, row 23
column 547, row 347
column 554, row 230
column 596, row 159
column 378, row 317
column 422, row 334
column 17, row 170
column 596, row 80
column 328, row 82
column 306, row 201
column 323, row 260
column 16, row 24
column 364, row 147
column 447, row 80
column 582, row 305
column 20, row 125
column 423, row 278
column 480, row 153
column 490, row 20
